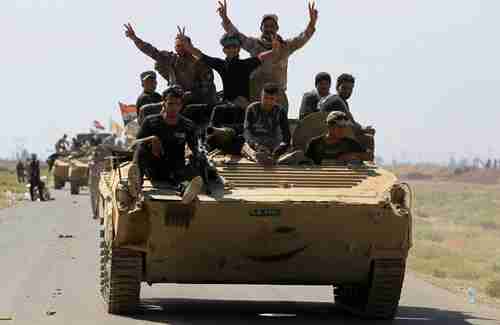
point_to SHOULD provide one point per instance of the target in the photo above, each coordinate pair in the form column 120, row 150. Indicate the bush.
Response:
column 493, row 288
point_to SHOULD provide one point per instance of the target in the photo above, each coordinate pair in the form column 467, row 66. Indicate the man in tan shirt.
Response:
column 275, row 70
column 180, row 68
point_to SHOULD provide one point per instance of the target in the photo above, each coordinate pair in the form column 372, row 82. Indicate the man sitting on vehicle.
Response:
column 62, row 145
column 310, row 100
column 334, row 144
column 149, row 94
column 161, row 155
column 267, row 132
column 338, row 102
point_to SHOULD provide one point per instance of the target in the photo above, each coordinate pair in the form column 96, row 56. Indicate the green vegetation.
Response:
column 8, row 182
column 457, row 236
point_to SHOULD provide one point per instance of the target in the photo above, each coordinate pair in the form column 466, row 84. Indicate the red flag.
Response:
column 129, row 112
column 98, row 125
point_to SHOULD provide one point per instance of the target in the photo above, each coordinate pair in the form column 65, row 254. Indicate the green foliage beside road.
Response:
column 457, row 236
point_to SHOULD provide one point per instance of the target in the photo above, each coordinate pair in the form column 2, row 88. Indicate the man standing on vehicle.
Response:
column 35, row 181
column 62, row 145
column 235, row 74
column 310, row 100
column 180, row 68
column 276, row 70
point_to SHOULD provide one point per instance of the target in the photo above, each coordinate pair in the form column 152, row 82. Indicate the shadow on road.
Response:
column 199, row 311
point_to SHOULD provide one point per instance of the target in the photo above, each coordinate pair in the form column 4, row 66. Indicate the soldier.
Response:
column 310, row 100
column 335, row 144
column 180, row 68
column 34, row 178
column 149, row 94
column 62, row 145
column 20, row 172
column 338, row 102
column 234, row 72
column 267, row 133
column 274, row 71
column 162, row 158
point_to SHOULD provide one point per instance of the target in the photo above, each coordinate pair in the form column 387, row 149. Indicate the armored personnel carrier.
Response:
column 78, row 174
column 60, row 172
column 339, row 224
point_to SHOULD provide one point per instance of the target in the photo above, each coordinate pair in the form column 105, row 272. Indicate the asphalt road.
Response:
column 46, row 279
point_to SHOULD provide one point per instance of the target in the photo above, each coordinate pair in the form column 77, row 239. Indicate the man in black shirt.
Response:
column 149, row 94
column 34, row 177
column 334, row 144
column 234, row 72
column 161, row 156
column 311, row 99
column 338, row 102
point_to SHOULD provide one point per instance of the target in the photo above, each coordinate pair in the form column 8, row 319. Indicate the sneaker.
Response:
column 192, row 190
column 292, row 158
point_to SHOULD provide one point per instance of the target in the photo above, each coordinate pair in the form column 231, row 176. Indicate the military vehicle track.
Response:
column 121, row 272
column 380, row 298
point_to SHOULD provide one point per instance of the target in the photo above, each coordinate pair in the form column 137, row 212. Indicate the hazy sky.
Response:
column 427, row 71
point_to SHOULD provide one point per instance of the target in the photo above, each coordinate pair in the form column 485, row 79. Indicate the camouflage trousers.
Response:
column 95, row 169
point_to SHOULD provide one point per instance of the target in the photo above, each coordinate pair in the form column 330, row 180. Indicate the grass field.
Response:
column 8, row 182
column 457, row 236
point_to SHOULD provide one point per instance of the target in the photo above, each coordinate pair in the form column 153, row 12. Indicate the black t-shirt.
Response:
column 173, row 138
column 148, row 110
column 318, row 149
column 148, row 98
column 235, row 74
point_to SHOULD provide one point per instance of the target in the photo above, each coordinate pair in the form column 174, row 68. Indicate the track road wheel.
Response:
column 380, row 299
column 121, row 271
column 75, row 188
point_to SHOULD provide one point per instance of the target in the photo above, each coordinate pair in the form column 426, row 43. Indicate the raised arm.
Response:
column 301, row 40
column 143, row 46
column 247, row 42
column 187, row 45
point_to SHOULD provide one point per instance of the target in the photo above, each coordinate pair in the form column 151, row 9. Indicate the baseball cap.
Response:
column 230, row 39
column 148, row 74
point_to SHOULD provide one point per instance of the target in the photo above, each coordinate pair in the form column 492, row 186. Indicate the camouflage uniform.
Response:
column 274, row 70
column 191, row 74
column 318, row 148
